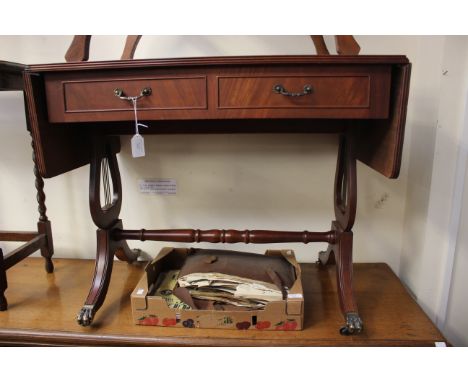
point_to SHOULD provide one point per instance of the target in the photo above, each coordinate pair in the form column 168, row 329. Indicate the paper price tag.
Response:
column 138, row 146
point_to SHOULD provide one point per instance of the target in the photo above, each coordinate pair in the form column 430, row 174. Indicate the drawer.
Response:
column 323, row 92
column 167, row 93
column 364, row 92
column 336, row 92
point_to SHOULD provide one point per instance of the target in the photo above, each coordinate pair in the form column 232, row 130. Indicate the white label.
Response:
column 158, row 186
column 138, row 146
column 440, row 344
column 294, row 295
column 140, row 291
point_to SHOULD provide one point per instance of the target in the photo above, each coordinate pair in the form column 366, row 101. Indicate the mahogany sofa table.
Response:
column 42, row 305
column 79, row 110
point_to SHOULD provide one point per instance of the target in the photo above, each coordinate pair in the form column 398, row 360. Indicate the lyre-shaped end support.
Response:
column 103, row 169
column 345, row 194
column 341, row 251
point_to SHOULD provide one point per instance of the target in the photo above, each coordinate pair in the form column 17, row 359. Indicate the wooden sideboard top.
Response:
column 42, row 309
column 222, row 60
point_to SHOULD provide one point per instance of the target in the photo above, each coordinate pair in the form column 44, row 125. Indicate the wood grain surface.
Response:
column 42, row 310
column 375, row 115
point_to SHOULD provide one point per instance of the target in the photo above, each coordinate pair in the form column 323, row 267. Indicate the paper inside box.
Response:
column 148, row 309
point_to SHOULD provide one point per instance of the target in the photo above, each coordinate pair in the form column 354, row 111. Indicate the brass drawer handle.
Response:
column 281, row 90
column 120, row 93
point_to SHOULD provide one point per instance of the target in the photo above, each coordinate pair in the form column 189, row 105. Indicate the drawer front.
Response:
column 166, row 94
column 323, row 92
column 336, row 92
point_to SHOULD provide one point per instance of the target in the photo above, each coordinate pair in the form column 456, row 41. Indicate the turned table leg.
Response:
column 103, row 169
column 43, row 225
column 341, row 252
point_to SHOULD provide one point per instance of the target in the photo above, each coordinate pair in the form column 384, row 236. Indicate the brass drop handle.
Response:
column 279, row 89
column 144, row 92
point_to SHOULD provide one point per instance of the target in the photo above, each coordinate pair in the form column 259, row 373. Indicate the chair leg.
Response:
column 48, row 249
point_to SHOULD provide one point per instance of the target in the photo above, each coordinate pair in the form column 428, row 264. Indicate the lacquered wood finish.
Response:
column 43, row 307
column 340, row 251
column 225, row 236
column 345, row 187
column 379, row 143
column 105, row 216
column 219, row 61
column 107, row 247
column 131, row 44
column 96, row 96
column 17, row 235
column 347, row 45
column 320, row 46
column 57, row 150
column 79, row 49
column 11, row 76
column 20, row 253
column 378, row 125
column 341, row 91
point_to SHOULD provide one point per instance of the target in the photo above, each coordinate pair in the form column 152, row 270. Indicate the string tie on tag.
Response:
column 137, row 124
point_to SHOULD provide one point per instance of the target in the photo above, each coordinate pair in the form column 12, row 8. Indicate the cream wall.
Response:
column 455, row 325
column 279, row 182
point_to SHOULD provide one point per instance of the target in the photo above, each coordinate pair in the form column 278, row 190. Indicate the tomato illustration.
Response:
column 149, row 320
column 286, row 325
column 244, row 325
column 279, row 325
column 290, row 325
column 169, row 321
column 263, row 325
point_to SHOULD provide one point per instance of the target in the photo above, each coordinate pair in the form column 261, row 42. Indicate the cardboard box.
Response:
column 153, row 310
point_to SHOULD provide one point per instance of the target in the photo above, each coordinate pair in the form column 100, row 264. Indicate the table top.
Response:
column 42, row 309
column 305, row 59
